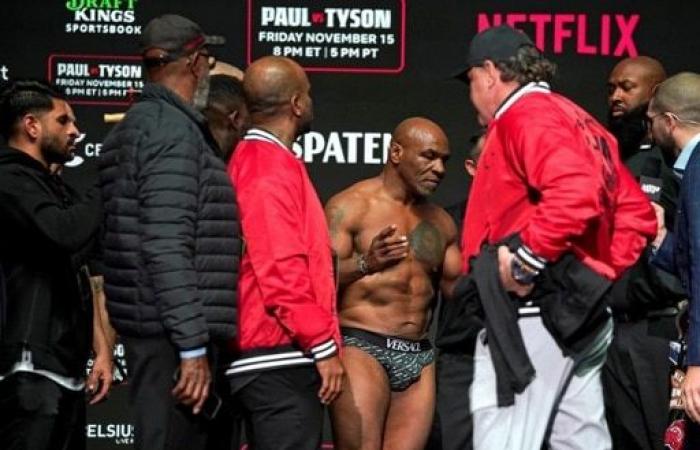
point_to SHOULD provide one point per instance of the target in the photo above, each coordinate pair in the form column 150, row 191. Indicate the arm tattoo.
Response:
column 427, row 243
column 337, row 216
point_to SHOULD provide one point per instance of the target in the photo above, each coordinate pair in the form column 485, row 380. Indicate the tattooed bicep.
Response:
column 335, row 215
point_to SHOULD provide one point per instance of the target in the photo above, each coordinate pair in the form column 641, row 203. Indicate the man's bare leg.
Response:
column 358, row 414
column 411, row 414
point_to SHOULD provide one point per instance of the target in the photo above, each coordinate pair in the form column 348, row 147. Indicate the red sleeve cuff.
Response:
column 526, row 256
column 324, row 350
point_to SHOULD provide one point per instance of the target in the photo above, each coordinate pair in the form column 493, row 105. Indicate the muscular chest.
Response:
column 426, row 240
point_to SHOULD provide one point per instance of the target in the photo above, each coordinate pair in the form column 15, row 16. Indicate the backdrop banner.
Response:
column 372, row 63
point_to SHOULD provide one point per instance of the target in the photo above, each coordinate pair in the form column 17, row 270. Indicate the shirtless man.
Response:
column 395, row 248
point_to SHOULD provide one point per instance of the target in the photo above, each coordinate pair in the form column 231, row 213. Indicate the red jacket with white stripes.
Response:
column 287, row 296
column 552, row 173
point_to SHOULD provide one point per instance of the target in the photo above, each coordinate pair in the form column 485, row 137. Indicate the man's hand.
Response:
column 100, row 379
column 505, row 258
column 690, row 393
column 192, row 386
column 386, row 249
column 332, row 373
column 660, row 225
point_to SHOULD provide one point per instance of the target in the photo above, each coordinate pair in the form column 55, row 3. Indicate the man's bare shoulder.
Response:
column 356, row 199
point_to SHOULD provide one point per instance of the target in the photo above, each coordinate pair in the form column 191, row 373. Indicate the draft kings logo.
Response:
column 113, row 17
column 97, row 79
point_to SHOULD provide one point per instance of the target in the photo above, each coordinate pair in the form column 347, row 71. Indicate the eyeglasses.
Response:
column 211, row 59
column 650, row 118
column 679, row 119
column 164, row 59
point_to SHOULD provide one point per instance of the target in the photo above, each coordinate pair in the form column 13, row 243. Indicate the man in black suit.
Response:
column 635, row 376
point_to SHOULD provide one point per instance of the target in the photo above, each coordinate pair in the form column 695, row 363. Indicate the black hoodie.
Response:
column 44, row 227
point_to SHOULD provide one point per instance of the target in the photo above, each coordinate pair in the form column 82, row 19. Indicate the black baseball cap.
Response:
column 494, row 44
column 177, row 35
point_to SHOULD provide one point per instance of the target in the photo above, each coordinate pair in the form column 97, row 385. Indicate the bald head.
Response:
column 222, row 68
column 271, row 82
column 418, row 153
column 631, row 83
column 647, row 67
column 679, row 95
column 418, row 129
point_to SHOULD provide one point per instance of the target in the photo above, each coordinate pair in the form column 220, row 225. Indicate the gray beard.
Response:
column 201, row 94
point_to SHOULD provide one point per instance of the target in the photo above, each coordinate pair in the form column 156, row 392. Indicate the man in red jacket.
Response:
column 550, row 174
column 288, row 335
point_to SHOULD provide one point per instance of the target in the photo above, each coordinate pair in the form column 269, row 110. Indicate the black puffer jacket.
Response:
column 171, row 235
column 44, row 226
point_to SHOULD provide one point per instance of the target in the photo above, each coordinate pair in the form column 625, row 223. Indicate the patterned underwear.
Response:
column 402, row 359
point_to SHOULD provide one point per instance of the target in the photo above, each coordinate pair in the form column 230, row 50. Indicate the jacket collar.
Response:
column 519, row 93
column 686, row 153
column 155, row 91
column 258, row 134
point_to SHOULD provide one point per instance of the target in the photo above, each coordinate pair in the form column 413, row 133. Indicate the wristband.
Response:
column 521, row 272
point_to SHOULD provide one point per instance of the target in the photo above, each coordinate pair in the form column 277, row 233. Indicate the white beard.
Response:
column 201, row 94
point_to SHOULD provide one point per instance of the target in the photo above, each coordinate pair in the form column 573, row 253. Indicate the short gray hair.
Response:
column 679, row 95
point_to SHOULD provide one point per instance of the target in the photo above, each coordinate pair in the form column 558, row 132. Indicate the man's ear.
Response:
column 237, row 120
column 492, row 72
column 470, row 167
column 234, row 119
column 31, row 126
column 395, row 152
column 297, row 107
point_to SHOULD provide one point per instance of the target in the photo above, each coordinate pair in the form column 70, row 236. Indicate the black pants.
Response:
column 38, row 414
column 636, row 386
column 452, row 423
column 225, row 429
column 692, row 435
column 281, row 409
column 160, row 422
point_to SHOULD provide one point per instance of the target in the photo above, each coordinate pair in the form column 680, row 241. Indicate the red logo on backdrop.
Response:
column 586, row 34
column 96, row 79
column 337, row 36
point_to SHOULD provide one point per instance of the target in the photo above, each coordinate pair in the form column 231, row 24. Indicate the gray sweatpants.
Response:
column 564, row 403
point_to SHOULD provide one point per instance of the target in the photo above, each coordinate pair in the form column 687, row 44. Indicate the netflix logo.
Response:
column 584, row 34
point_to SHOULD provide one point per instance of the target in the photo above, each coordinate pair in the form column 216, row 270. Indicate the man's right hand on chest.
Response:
column 385, row 250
